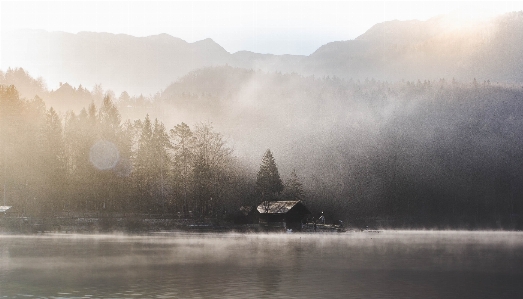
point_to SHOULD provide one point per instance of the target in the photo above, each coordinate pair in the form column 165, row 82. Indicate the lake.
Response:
column 388, row 264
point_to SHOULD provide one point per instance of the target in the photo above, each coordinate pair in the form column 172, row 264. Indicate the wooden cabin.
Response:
column 287, row 214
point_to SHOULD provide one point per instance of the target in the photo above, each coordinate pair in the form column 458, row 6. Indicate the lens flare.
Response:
column 104, row 155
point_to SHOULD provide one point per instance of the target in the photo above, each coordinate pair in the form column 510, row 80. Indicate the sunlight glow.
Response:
column 104, row 155
column 277, row 27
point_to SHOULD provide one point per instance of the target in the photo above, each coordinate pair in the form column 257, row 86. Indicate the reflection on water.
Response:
column 351, row 265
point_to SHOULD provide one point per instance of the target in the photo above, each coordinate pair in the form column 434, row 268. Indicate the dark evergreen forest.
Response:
column 433, row 154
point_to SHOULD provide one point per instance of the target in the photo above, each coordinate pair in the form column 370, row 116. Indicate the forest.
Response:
column 424, row 154
column 92, row 161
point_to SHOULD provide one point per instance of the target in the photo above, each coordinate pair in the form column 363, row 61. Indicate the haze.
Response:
column 399, row 264
column 382, row 116
column 275, row 27
column 261, row 149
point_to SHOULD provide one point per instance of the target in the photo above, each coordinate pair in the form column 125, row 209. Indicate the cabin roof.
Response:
column 277, row 207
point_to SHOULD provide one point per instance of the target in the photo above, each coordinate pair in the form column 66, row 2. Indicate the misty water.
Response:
column 388, row 264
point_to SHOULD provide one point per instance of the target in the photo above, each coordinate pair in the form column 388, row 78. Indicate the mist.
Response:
column 151, row 164
column 396, row 147
column 436, row 154
column 171, row 265
column 445, row 46
column 413, row 124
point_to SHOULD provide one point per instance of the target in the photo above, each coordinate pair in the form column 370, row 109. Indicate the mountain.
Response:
column 412, row 150
column 441, row 47
column 120, row 62
column 433, row 153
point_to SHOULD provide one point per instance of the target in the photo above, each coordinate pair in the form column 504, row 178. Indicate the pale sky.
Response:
column 276, row 27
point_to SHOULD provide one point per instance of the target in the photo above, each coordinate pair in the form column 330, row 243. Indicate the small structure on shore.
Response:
column 287, row 214
column 3, row 209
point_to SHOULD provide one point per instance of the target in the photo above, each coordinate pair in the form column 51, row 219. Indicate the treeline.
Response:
column 94, row 162
column 434, row 154
column 67, row 97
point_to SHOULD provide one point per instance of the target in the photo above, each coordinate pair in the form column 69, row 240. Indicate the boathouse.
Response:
column 287, row 214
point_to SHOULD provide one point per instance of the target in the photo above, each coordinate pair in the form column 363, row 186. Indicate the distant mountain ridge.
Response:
column 121, row 62
column 393, row 50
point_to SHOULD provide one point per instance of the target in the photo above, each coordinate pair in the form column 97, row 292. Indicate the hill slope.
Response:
column 442, row 47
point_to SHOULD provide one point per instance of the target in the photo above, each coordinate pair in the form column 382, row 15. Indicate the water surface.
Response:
column 390, row 264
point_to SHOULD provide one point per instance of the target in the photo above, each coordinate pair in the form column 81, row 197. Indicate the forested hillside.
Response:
column 442, row 153
column 418, row 153
column 441, row 47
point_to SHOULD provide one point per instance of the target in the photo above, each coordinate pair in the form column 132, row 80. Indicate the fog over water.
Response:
column 388, row 264
column 122, row 142
column 435, row 154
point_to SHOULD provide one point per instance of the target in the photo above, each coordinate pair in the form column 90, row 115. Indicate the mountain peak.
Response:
column 164, row 37
column 391, row 50
column 397, row 31
column 206, row 42
column 210, row 45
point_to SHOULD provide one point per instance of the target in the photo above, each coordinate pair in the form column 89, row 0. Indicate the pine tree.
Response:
column 294, row 188
column 143, row 164
column 183, row 146
column 268, row 179
column 162, row 161
column 151, row 165
column 211, row 163
column 12, row 135
column 109, row 119
column 54, row 160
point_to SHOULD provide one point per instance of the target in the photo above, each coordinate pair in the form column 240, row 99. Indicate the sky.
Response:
column 275, row 27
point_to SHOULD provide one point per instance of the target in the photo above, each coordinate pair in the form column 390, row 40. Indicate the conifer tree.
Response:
column 211, row 163
column 161, row 143
column 54, row 159
column 294, row 188
column 109, row 119
column 11, row 134
column 143, row 164
column 268, row 179
column 183, row 147
column 152, row 164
